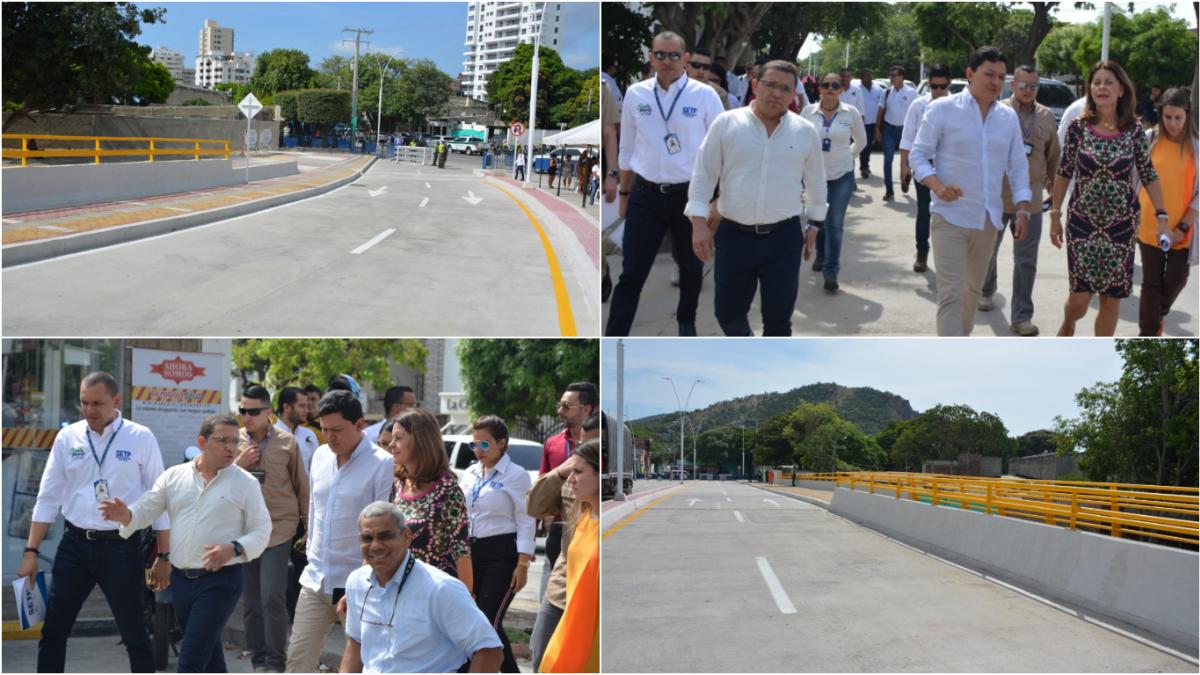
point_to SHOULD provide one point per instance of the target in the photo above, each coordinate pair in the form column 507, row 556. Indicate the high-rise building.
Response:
column 171, row 59
column 217, row 61
column 494, row 29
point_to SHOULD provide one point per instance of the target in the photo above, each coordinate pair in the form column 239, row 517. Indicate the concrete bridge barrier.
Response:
column 1150, row 589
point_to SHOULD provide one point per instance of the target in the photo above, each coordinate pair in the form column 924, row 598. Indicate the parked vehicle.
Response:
column 468, row 145
column 526, row 453
column 1052, row 93
column 541, row 162
column 608, row 462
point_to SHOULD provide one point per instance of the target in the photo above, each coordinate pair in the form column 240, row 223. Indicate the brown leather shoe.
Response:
column 922, row 261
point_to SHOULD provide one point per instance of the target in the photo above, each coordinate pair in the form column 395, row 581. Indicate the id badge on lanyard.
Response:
column 672, row 143
column 671, row 139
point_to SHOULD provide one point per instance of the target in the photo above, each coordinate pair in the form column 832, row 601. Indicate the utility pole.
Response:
column 358, row 32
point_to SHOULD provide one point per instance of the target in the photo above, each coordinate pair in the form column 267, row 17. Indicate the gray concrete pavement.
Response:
column 463, row 258
column 881, row 295
column 98, row 655
column 688, row 586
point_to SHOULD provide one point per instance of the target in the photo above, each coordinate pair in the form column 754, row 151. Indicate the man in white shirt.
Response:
column 761, row 155
column 348, row 472
column 221, row 521
column 869, row 107
column 970, row 139
column 850, row 93
column 609, row 81
column 662, row 125
column 94, row 459
column 519, row 165
column 939, row 86
column 395, row 401
column 405, row 616
column 889, row 125
column 293, row 411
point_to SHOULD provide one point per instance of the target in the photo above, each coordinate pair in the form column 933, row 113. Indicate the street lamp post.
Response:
column 533, row 88
column 744, row 443
column 379, row 111
column 681, row 409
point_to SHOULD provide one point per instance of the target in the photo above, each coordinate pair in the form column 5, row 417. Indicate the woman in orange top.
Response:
column 575, row 645
column 1173, row 153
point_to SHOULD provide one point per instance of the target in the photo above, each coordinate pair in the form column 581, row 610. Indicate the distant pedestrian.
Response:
column 939, row 86
column 519, row 166
column 870, row 96
column 552, row 170
column 889, row 125
column 397, row 399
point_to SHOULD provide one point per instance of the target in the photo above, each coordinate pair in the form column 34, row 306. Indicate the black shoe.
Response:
column 904, row 183
column 889, row 196
column 818, row 264
column 687, row 329
column 922, row 262
column 866, row 173
column 831, row 284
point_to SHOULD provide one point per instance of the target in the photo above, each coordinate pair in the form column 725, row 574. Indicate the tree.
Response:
column 65, row 53
column 284, row 362
column 946, row 431
column 522, row 380
column 1056, row 55
column 894, row 40
column 1037, row 442
column 787, row 25
column 421, row 93
column 584, row 107
column 1151, row 46
column 508, row 87
column 155, row 84
column 626, row 34
column 196, row 100
column 322, row 106
column 281, row 70
column 237, row 90
column 722, row 28
column 335, row 72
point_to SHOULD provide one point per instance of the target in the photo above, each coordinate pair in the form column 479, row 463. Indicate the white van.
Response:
column 526, row 453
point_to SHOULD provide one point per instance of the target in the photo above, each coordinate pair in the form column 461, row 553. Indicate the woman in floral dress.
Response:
column 1105, row 151
column 428, row 493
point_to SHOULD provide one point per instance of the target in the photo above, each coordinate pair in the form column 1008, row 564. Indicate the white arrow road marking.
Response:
column 738, row 515
column 427, row 186
column 472, row 198
column 771, row 502
column 376, row 193
column 424, row 202
column 781, row 597
column 378, row 238
column 693, row 500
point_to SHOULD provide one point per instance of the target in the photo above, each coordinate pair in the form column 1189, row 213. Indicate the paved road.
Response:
column 724, row 577
column 99, row 655
column 881, row 295
column 405, row 250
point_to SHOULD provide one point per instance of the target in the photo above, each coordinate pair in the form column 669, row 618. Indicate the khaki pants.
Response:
column 315, row 615
column 960, row 259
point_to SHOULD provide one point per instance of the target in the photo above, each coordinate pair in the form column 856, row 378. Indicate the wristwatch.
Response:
column 1182, row 227
column 613, row 174
column 237, row 549
column 165, row 556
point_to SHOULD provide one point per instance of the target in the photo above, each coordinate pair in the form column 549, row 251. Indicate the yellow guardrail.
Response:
column 1163, row 512
column 195, row 147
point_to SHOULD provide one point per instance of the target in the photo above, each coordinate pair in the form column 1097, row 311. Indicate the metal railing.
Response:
column 1160, row 512
column 196, row 147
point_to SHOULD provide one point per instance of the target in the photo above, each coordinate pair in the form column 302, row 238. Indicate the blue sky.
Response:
column 1025, row 382
column 434, row 30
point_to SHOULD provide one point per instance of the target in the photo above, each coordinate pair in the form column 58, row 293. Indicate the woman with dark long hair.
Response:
column 1173, row 153
column 1105, row 152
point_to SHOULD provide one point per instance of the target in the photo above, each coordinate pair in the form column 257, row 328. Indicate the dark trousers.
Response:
column 744, row 262
column 79, row 565
column 922, row 217
column 891, row 143
column 865, row 156
column 553, row 546
column 493, row 560
column 266, row 617
column 520, row 172
column 202, row 606
column 648, row 218
column 1163, row 277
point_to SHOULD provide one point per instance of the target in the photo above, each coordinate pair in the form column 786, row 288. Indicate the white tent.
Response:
column 587, row 134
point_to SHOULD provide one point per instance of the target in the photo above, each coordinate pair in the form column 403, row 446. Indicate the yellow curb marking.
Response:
column 628, row 519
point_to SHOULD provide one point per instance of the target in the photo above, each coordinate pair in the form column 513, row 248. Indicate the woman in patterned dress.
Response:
column 428, row 493
column 1105, row 151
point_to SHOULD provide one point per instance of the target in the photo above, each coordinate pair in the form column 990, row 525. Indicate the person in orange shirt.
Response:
column 1173, row 153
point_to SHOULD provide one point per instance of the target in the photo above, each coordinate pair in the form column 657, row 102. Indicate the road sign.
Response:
column 517, row 129
column 264, row 139
column 250, row 106
column 251, row 139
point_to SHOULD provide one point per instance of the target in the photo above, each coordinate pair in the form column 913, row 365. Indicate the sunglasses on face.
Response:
column 663, row 56
column 252, row 412
column 480, row 445
column 700, row 66
column 938, row 87
column 1025, row 86
column 831, row 85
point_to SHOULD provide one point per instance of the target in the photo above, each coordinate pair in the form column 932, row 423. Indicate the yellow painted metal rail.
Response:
column 1161, row 512
column 90, row 146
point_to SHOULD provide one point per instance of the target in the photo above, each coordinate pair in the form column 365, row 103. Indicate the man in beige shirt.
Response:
column 1040, row 135
column 273, row 457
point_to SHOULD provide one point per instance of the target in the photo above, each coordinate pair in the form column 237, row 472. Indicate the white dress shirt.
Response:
column 1074, row 110
column 337, row 496
column 68, row 481
column 435, row 626
column 869, row 107
column 373, row 431
column 643, row 147
column 896, row 104
column 912, row 121
column 496, row 501
column 853, row 96
column 846, row 133
column 802, row 95
column 973, row 154
column 305, row 438
column 230, row 508
column 763, row 178
column 611, row 83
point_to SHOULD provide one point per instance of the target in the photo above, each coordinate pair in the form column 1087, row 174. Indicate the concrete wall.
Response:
column 142, row 125
column 185, row 92
column 1046, row 466
column 47, row 187
column 1153, row 590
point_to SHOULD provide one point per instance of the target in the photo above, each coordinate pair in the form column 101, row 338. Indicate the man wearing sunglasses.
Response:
column 663, row 122
column 405, row 616
column 700, row 68
column 273, row 457
column 1040, row 138
column 939, row 86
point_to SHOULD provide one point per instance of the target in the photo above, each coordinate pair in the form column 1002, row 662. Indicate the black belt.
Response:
column 762, row 229
column 495, row 537
column 197, row 572
column 94, row 535
column 661, row 188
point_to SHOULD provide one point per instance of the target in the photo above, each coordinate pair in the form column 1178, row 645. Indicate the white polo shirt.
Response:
column 869, row 106
column 896, row 104
column 435, row 626
column 374, row 430
column 689, row 108
column 132, row 464
column 337, row 496
column 305, row 438
column 496, row 501
column 613, row 89
column 853, row 96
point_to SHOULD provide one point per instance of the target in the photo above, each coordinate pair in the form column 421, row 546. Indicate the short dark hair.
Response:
column 395, row 395
column 898, row 67
column 783, row 67
column 289, row 395
column 939, row 70
column 312, row 388
column 341, row 402
column 210, row 423
column 592, row 423
column 339, row 383
column 257, row 392
column 587, row 393
column 493, row 425
column 701, row 51
column 670, row 35
column 986, row 53
column 845, row 69
column 100, row 377
column 1025, row 68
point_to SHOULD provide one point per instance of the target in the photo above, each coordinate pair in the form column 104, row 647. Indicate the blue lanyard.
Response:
column 483, row 480
column 100, row 460
column 825, row 124
column 667, row 115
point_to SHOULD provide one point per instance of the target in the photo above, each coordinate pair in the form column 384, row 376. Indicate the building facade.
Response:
column 171, row 59
column 494, row 29
column 218, row 62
